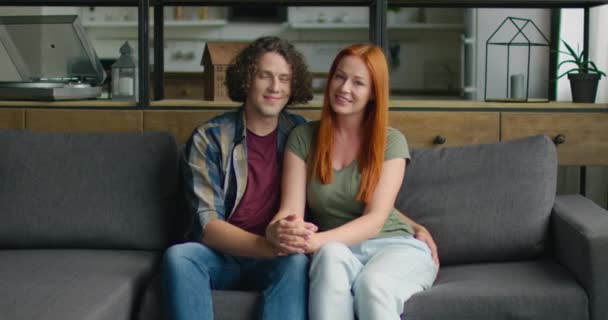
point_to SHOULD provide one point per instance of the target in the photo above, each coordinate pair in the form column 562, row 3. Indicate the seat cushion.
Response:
column 227, row 305
column 72, row 284
column 533, row 290
column 87, row 190
column 483, row 203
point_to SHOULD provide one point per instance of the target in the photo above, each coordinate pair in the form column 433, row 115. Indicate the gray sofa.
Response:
column 85, row 219
column 87, row 216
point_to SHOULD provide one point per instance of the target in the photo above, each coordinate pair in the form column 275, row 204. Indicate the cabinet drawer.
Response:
column 310, row 115
column 585, row 134
column 179, row 122
column 426, row 129
column 66, row 120
column 182, row 85
column 183, row 89
column 12, row 118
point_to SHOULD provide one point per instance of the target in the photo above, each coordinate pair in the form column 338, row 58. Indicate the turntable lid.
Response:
column 44, row 48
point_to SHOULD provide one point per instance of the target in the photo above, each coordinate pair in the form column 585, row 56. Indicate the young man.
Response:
column 231, row 167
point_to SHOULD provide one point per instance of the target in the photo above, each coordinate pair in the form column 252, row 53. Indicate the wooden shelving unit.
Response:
column 377, row 26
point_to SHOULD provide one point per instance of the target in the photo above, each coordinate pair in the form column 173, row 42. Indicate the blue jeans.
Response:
column 191, row 270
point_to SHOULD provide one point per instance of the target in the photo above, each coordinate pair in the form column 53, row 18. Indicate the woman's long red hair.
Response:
column 375, row 123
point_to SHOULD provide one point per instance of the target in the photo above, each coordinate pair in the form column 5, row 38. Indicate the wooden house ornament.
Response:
column 216, row 59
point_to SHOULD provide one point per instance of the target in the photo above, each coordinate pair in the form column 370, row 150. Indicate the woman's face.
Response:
column 350, row 88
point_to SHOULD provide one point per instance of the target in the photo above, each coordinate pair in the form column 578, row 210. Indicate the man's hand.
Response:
column 424, row 235
column 290, row 235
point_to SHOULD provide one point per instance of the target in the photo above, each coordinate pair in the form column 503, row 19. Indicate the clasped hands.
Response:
column 292, row 234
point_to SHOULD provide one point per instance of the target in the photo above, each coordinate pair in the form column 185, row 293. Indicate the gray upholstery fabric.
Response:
column 227, row 305
column 235, row 305
column 535, row 290
column 581, row 242
column 87, row 190
column 72, row 284
column 483, row 203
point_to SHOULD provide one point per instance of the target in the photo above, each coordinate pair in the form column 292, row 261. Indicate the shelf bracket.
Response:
column 377, row 25
column 143, row 56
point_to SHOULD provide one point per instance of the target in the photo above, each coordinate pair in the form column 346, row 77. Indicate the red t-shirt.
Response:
column 261, row 199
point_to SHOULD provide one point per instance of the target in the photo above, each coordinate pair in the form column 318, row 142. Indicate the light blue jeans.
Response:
column 372, row 279
column 191, row 270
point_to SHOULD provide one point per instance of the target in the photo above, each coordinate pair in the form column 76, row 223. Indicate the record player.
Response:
column 53, row 58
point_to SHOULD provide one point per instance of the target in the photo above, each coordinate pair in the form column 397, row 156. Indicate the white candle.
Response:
column 125, row 86
column 518, row 90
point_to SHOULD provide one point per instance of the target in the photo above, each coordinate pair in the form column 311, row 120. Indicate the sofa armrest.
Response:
column 580, row 228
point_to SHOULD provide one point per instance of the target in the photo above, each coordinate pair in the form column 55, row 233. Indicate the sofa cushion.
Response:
column 227, row 304
column 73, row 284
column 87, row 190
column 539, row 290
column 483, row 203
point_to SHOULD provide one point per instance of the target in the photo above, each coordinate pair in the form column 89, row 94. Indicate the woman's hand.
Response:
column 290, row 234
column 314, row 243
column 424, row 235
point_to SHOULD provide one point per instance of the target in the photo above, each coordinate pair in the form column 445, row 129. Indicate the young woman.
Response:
column 348, row 168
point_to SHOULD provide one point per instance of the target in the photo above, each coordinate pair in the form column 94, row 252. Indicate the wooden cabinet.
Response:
column 12, row 119
column 429, row 128
column 65, row 120
column 308, row 114
column 581, row 138
column 422, row 129
column 183, row 85
column 425, row 129
column 179, row 122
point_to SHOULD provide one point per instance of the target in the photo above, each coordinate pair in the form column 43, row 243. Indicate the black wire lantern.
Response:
column 518, row 37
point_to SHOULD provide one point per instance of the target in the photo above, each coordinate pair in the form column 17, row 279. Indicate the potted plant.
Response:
column 584, row 76
column 396, row 15
column 391, row 14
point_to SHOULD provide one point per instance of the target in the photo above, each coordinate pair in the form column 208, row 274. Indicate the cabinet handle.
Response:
column 439, row 139
column 559, row 139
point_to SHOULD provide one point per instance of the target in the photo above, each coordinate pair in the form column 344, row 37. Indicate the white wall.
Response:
column 572, row 32
column 488, row 20
column 599, row 47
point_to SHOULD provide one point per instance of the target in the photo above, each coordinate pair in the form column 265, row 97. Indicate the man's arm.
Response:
column 288, row 232
column 201, row 168
column 229, row 239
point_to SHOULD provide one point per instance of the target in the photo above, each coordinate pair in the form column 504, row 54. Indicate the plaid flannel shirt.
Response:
column 214, row 166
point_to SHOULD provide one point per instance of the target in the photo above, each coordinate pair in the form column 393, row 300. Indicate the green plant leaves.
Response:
column 582, row 65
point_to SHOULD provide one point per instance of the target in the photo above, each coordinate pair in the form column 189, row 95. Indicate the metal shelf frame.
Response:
column 378, row 33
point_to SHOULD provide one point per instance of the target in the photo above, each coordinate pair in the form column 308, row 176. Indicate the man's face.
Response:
column 270, row 88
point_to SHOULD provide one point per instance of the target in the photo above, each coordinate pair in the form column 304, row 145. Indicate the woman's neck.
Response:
column 349, row 126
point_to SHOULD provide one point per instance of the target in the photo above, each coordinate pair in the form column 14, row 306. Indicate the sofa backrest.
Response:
column 483, row 203
column 87, row 190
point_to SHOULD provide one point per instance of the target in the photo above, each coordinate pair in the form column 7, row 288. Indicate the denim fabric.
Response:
column 372, row 279
column 192, row 270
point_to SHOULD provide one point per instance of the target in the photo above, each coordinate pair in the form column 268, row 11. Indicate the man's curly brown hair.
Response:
column 241, row 72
